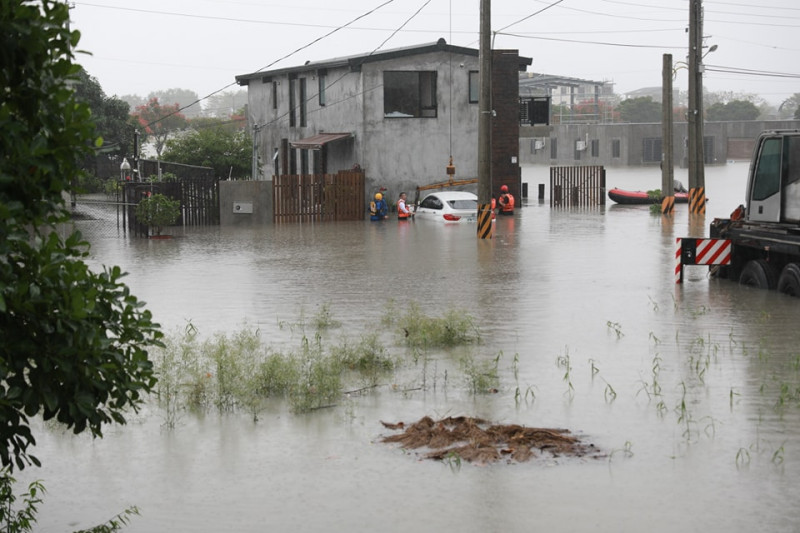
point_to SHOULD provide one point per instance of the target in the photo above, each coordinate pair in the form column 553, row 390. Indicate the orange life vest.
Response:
column 401, row 206
column 506, row 203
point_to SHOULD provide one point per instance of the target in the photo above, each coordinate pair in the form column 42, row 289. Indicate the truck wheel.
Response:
column 758, row 273
column 789, row 282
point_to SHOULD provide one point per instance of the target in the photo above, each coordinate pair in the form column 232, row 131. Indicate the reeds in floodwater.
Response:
column 239, row 372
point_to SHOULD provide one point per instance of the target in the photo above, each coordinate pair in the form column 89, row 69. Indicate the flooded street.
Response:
column 692, row 391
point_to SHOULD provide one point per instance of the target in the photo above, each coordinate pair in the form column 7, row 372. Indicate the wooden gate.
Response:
column 577, row 186
column 318, row 197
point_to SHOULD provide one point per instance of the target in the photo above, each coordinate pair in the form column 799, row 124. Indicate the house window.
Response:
column 651, row 149
column 474, row 86
column 615, row 148
column 553, row 148
column 292, row 103
column 595, row 148
column 322, row 76
column 274, row 95
column 302, row 102
column 409, row 94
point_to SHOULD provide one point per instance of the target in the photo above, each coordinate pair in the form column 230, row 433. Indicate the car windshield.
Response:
column 463, row 204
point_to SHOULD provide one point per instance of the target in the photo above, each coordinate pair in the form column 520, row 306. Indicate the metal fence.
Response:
column 582, row 186
column 98, row 216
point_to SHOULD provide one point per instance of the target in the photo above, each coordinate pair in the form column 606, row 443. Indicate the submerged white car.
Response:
column 448, row 206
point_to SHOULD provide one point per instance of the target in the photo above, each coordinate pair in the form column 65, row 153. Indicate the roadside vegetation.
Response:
column 240, row 372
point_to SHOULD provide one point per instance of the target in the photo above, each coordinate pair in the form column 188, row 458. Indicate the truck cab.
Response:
column 773, row 188
column 764, row 234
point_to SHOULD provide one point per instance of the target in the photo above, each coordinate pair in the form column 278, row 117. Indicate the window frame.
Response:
column 425, row 101
column 473, row 86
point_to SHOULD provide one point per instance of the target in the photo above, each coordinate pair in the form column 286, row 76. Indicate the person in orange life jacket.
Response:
column 403, row 212
column 506, row 202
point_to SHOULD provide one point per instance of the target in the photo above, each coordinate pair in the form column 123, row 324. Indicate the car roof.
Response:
column 446, row 196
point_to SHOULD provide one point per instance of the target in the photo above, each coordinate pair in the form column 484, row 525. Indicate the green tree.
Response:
column 110, row 114
column 733, row 110
column 223, row 146
column 74, row 341
column 158, row 122
column 640, row 110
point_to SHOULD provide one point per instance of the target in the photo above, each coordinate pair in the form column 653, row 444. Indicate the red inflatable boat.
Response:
column 622, row 196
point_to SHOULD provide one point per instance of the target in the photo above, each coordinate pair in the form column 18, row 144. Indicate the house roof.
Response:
column 354, row 62
column 315, row 142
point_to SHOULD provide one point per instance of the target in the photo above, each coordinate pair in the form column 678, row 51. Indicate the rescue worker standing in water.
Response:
column 378, row 208
column 403, row 212
column 506, row 201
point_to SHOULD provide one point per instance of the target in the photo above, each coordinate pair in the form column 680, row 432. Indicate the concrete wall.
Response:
column 245, row 203
column 631, row 141
column 402, row 153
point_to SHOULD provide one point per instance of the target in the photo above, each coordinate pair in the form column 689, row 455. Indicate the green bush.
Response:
column 157, row 211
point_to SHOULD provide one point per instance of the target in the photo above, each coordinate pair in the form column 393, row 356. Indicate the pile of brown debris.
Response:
column 477, row 441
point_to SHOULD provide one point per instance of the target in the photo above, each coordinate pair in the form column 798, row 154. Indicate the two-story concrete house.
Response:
column 397, row 114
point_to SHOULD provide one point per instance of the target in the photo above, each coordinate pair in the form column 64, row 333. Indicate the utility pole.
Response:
column 697, row 198
column 667, row 165
column 485, row 124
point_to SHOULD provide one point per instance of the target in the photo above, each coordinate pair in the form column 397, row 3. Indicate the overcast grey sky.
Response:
column 202, row 45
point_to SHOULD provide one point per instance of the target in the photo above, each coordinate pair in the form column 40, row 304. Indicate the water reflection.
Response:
column 689, row 379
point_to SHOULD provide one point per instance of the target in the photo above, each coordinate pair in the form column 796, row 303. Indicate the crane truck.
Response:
column 763, row 237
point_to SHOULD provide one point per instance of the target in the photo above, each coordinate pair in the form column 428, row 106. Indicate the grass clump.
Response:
column 368, row 358
column 482, row 376
column 319, row 382
column 419, row 330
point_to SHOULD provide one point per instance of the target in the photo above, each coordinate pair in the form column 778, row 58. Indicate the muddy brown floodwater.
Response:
column 690, row 392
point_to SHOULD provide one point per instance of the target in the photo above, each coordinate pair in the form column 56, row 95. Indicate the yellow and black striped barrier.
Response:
column 668, row 205
column 484, row 221
column 697, row 201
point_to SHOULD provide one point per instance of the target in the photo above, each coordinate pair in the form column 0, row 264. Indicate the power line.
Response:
column 278, row 60
column 618, row 16
column 750, row 72
column 529, row 16
column 337, row 80
column 256, row 21
column 601, row 43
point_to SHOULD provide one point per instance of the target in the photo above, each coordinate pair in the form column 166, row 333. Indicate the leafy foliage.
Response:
column 74, row 342
column 110, row 114
column 215, row 144
column 640, row 110
column 157, row 211
column 734, row 110
column 17, row 521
